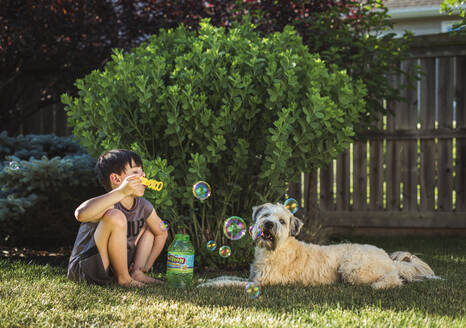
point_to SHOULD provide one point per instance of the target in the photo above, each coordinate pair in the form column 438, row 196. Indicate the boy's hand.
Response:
column 132, row 185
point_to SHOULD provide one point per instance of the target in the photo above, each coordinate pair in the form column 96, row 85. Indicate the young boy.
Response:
column 120, row 235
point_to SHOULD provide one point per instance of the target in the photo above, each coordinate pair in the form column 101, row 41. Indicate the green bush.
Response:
column 244, row 113
column 458, row 7
column 38, row 194
column 353, row 35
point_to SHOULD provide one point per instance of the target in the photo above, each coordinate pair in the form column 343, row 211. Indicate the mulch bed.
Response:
column 58, row 256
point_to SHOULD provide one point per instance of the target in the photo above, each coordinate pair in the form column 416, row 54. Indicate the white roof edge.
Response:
column 415, row 12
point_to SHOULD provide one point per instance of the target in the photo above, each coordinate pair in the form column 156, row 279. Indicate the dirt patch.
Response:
column 58, row 256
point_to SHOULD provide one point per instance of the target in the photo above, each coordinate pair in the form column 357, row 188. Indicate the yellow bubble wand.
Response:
column 152, row 184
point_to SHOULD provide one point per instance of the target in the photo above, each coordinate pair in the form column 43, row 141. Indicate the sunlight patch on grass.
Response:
column 38, row 295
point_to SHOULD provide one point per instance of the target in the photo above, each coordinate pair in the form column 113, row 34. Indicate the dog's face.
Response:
column 276, row 223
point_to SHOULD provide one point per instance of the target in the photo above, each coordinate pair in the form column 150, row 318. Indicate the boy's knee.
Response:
column 163, row 237
column 115, row 217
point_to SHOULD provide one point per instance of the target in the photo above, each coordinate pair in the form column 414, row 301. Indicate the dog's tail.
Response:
column 412, row 268
column 224, row 281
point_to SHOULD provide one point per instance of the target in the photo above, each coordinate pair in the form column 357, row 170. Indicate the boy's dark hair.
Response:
column 114, row 161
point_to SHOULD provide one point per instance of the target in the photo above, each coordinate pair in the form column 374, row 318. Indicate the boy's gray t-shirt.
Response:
column 135, row 217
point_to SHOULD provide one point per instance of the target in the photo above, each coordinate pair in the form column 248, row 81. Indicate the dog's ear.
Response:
column 295, row 225
column 255, row 212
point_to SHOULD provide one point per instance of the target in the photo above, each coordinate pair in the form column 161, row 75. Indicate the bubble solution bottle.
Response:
column 180, row 262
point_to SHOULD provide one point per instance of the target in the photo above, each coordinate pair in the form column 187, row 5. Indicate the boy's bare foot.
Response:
column 131, row 283
column 141, row 277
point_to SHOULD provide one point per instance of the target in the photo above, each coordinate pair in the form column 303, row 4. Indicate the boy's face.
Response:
column 134, row 170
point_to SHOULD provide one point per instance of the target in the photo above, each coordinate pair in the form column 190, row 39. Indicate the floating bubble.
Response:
column 201, row 190
column 234, row 228
column 14, row 165
column 257, row 234
column 211, row 245
column 291, row 204
column 224, row 251
column 252, row 290
column 164, row 226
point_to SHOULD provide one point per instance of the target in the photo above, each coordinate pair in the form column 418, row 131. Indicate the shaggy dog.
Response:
column 281, row 259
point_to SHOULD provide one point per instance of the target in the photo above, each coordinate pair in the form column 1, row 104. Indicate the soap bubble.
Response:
column 257, row 234
column 164, row 226
column 234, row 228
column 201, row 190
column 211, row 245
column 224, row 251
column 252, row 290
column 291, row 204
column 14, row 165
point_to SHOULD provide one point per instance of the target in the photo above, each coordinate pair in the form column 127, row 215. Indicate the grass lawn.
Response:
column 41, row 295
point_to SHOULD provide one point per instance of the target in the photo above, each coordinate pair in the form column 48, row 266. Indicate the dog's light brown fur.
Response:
column 297, row 262
column 282, row 259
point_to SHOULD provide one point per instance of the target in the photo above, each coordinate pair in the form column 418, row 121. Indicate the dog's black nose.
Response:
column 268, row 225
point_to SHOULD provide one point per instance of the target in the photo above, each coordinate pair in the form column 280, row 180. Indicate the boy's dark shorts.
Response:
column 90, row 268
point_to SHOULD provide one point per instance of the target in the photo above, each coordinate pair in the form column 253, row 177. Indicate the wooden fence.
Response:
column 48, row 120
column 412, row 174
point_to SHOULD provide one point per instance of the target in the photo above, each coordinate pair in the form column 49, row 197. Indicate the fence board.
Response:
column 406, row 119
column 343, row 181
column 393, row 177
column 61, row 119
column 359, row 175
column 445, row 120
column 376, row 177
column 34, row 124
column 410, row 198
column 310, row 196
column 376, row 171
column 47, row 115
column 460, row 163
column 427, row 117
column 294, row 191
column 392, row 158
column 326, row 188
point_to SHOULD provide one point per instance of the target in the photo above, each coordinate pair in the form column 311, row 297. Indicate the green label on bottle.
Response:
column 181, row 263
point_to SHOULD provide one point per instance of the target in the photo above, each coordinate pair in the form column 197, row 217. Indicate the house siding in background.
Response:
column 421, row 17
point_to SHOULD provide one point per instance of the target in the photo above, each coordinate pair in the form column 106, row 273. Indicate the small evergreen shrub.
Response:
column 44, row 178
column 38, row 145
column 244, row 113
